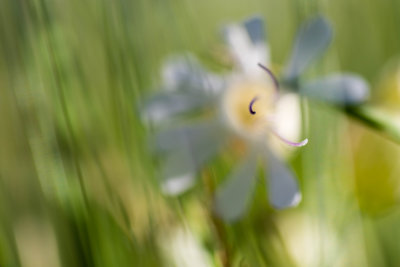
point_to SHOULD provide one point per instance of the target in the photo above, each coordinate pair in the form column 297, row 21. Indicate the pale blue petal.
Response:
column 187, row 149
column 247, row 45
column 177, row 185
column 196, row 136
column 167, row 104
column 184, row 72
column 233, row 197
column 178, row 171
column 282, row 185
column 312, row 39
column 342, row 89
column 255, row 29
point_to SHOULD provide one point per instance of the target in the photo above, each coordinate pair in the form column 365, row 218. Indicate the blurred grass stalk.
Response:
column 377, row 120
column 76, row 178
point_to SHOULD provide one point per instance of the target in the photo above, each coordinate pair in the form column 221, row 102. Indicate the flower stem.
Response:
column 376, row 120
column 224, row 252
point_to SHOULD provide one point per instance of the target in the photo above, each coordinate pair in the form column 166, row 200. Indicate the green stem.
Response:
column 224, row 252
column 376, row 120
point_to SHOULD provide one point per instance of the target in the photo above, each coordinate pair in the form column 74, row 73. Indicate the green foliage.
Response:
column 79, row 186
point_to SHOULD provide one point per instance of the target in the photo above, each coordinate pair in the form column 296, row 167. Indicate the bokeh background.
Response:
column 79, row 186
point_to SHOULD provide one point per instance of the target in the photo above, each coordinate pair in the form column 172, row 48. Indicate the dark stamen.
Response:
column 270, row 74
column 251, row 105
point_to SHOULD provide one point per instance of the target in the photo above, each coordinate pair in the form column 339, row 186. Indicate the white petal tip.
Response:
column 177, row 185
column 296, row 199
column 294, row 202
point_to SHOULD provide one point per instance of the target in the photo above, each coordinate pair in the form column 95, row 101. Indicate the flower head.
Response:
column 241, row 105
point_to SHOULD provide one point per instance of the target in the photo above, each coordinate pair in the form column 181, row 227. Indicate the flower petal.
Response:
column 256, row 31
column 287, row 116
column 180, row 167
column 312, row 39
column 167, row 104
column 177, row 185
column 282, row 186
column 233, row 196
column 196, row 137
column 342, row 89
column 184, row 72
column 247, row 45
column 188, row 149
column 178, row 172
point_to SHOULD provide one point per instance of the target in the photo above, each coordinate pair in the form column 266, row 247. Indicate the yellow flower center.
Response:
column 249, row 107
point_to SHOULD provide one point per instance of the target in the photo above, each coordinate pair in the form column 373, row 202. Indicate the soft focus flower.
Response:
column 241, row 106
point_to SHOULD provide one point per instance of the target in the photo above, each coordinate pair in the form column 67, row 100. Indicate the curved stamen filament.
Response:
column 276, row 83
column 251, row 105
column 290, row 143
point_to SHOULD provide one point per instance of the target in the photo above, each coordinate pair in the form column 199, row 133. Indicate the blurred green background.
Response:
column 78, row 186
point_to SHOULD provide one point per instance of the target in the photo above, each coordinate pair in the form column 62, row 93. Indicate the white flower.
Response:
column 241, row 105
